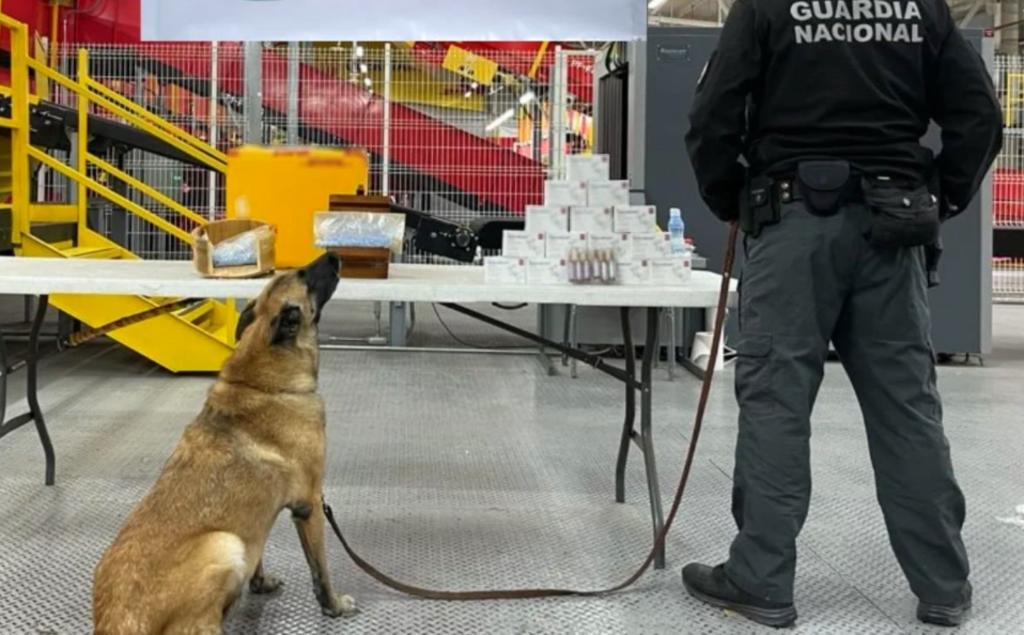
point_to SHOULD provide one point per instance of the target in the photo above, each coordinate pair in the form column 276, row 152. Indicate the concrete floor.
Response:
column 469, row 470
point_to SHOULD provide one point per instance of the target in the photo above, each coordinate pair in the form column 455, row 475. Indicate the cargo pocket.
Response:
column 754, row 375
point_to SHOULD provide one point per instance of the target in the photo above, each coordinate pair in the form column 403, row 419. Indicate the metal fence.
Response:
column 1008, row 176
column 461, row 138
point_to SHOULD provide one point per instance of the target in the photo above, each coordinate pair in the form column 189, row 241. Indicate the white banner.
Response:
column 395, row 20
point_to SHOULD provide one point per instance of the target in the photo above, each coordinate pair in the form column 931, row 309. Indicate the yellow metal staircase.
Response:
column 196, row 339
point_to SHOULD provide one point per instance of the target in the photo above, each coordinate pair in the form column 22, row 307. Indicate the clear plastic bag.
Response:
column 359, row 229
column 238, row 250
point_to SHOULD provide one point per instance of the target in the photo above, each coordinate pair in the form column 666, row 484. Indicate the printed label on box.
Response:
column 657, row 245
column 560, row 244
column 635, row 272
column 588, row 167
column 504, row 270
column 546, row 271
column 616, row 243
column 590, row 219
column 636, row 219
column 671, row 271
column 516, row 244
column 565, row 193
column 547, row 218
column 608, row 193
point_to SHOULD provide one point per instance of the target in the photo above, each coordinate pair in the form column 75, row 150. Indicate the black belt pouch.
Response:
column 901, row 216
column 824, row 186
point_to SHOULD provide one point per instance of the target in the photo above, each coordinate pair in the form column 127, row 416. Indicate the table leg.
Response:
column 35, row 413
column 628, row 433
column 646, row 433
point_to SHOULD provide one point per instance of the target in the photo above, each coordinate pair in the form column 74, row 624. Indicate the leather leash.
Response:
column 520, row 594
column 87, row 335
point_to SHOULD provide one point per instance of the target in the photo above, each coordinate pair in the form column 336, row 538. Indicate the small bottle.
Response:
column 677, row 231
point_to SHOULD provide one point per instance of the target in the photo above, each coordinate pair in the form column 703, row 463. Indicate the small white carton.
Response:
column 675, row 270
column 656, row 245
column 636, row 219
column 565, row 193
column 504, row 270
column 560, row 244
column 619, row 244
column 637, row 271
column 547, row 218
column 522, row 244
column 608, row 193
column 591, row 219
column 546, row 271
column 588, row 167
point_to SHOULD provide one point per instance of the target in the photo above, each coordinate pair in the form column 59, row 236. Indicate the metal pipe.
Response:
column 214, row 117
column 386, row 140
column 529, row 352
column 292, row 125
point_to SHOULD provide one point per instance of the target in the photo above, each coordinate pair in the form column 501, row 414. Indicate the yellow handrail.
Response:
column 155, row 119
column 110, row 195
column 149, row 191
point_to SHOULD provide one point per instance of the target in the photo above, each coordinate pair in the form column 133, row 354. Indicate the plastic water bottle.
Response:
column 676, row 230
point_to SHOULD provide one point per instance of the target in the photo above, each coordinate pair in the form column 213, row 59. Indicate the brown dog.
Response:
column 186, row 551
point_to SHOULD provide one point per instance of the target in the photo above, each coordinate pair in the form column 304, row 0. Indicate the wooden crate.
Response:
column 362, row 262
column 212, row 234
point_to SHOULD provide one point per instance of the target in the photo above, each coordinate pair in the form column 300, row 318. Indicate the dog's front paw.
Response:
column 264, row 584
column 343, row 606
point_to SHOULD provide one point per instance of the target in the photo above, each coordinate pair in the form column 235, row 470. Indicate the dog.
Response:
column 257, row 448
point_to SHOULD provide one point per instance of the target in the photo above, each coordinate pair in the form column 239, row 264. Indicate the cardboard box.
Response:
column 635, row 272
column 522, row 244
column 565, row 193
column 608, row 193
column 657, row 245
column 560, row 244
column 504, row 270
column 636, row 219
column 588, row 167
column 673, row 271
column 546, row 271
column 547, row 218
column 619, row 244
column 591, row 219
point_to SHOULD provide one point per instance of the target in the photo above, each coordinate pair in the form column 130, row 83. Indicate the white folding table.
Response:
column 450, row 286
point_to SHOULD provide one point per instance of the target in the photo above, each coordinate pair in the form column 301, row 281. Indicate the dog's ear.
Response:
column 285, row 326
column 246, row 318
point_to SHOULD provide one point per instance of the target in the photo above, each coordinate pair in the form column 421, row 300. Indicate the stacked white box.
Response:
column 636, row 219
column 608, row 193
column 547, row 218
column 522, row 244
column 504, row 270
column 591, row 219
column 560, row 244
column 588, row 167
column 565, row 193
column 674, row 270
column 637, row 271
column 546, row 271
column 657, row 245
column 619, row 244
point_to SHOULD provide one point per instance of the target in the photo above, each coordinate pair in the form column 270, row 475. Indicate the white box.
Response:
column 635, row 272
column 636, row 219
column 546, row 271
column 620, row 244
column 658, row 245
column 671, row 271
column 591, row 219
column 608, row 193
column 547, row 218
column 565, row 193
column 560, row 244
column 504, row 270
column 516, row 244
column 588, row 167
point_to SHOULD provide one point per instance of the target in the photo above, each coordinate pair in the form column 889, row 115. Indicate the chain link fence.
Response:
column 1008, row 180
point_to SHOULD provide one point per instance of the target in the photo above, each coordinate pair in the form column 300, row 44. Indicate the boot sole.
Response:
column 776, row 618
column 943, row 615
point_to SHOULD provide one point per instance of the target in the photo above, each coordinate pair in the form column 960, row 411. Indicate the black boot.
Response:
column 710, row 585
column 946, row 614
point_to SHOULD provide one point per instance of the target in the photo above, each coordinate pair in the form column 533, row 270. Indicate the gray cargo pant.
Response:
column 808, row 280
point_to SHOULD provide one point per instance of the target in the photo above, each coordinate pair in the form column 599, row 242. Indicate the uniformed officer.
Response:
column 806, row 130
